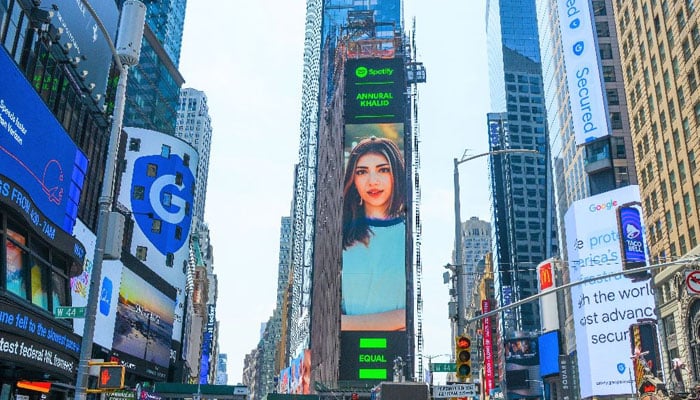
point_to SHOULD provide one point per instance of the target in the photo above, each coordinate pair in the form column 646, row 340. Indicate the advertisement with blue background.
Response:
column 158, row 187
column 604, row 309
column 86, row 41
column 53, row 177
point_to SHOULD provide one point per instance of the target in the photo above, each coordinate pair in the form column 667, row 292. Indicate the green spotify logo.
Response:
column 361, row 72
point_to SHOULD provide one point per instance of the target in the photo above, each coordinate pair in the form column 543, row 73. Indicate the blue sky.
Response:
column 248, row 58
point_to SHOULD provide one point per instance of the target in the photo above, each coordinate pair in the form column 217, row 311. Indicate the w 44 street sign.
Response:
column 443, row 367
column 69, row 312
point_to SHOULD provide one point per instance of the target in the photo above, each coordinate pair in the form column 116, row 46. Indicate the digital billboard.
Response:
column 374, row 287
column 522, row 358
column 52, row 178
column 144, row 320
column 83, row 40
column 158, row 187
column 109, row 290
column 605, row 308
column 578, row 39
column 549, row 353
column 374, row 90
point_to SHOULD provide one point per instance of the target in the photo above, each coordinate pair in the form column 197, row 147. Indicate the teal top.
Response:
column 374, row 276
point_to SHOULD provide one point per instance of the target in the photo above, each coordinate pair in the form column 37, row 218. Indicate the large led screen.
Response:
column 549, row 353
column 605, row 308
column 580, row 49
column 84, row 41
column 374, row 286
column 158, row 187
column 522, row 358
column 144, row 321
column 53, row 177
column 109, row 284
column 374, row 91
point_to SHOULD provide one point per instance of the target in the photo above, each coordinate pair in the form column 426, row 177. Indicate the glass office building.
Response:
column 523, row 228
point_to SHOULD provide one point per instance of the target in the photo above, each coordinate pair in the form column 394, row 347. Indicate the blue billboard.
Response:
column 83, row 40
column 548, row 344
column 36, row 152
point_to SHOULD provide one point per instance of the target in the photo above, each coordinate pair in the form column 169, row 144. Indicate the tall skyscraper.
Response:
column 476, row 242
column 166, row 18
column 341, row 35
column 194, row 127
column 523, row 227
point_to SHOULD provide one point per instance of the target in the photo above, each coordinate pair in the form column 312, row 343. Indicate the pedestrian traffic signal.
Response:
column 463, row 357
column 111, row 377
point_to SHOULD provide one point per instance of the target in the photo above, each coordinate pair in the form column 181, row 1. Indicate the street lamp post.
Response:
column 131, row 25
column 458, row 227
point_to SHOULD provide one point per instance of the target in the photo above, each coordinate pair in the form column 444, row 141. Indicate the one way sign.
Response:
column 459, row 390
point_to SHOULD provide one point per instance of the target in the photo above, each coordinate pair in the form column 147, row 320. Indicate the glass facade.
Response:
column 153, row 89
column 166, row 18
column 522, row 225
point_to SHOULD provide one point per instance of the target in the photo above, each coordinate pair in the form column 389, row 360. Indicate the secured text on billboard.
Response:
column 582, row 70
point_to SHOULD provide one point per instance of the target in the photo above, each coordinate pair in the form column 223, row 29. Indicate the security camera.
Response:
column 91, row 87
column 83, row 74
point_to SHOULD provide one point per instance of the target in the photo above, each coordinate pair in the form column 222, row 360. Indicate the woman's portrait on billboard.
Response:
column 374, row 238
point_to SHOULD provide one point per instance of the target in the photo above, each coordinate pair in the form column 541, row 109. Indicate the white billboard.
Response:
column 109, row 290
column 588, row 111
column 158, row 188
column 604, row 309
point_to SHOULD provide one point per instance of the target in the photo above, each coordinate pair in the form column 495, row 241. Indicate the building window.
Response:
column 139, row 192
column 169, row 259
column 687, row 204
column 186, row 160
column 608, row 73
column 165, row 151
column 33, row 270
column 605, row 51
column 693, row 238
column 178, row 178
column 134, row 144
column 141, row 252
column 178, row 232
column 602, row 29
column 616, row 120
column 152, row 170
column 156, row 225
column 16, row 258
column 613, row 97
column 599, row 8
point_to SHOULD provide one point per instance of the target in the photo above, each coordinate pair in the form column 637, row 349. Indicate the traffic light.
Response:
column 111, row 377
column 463, row 357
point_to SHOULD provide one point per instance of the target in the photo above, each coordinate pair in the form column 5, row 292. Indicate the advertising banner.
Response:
column 84, row 41
column 109, row 283
column 374, row 91
column 374, row 253
column 489, row 379
column 52, row 178
column 549, row 308
column 549, row 353
column 158, row 187
column 27, row 338
column 522, row 358
column 144, row 321
column 580, row 50
column 605, row 308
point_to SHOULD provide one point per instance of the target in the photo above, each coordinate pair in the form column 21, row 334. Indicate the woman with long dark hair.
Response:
column 374, row 238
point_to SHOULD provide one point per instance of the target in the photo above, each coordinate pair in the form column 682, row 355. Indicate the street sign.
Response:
column 692, row 282
column 69, row 312
column 458, row 390
column 443, row 367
